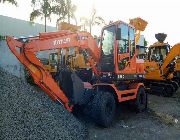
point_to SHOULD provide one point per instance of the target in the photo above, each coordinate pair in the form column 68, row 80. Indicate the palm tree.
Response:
column 48, row 7
column 14, row 2
column 65, row 11
column 93, row 20
column 44, row 11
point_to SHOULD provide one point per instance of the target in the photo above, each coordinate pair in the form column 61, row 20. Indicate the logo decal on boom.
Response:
column 61, row 41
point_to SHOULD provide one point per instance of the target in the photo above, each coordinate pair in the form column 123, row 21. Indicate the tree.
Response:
column 65, row 10
column 43, row 11
column 60, row 10
column 14, row 2
column 145, row 42
column 92, row 20
column 45, row 8
column 71, row 8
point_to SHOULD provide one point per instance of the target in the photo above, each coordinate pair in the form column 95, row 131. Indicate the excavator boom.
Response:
column 174, row 52
column 41, row 77
column 26, row 54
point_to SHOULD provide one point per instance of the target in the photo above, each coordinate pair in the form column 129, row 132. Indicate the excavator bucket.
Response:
column 160, row 37
column 74, row 87
column 138, row 23
column 68, row 26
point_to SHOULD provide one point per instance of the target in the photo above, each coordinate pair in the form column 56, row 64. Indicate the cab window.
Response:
column 132, row 42
column 108, row 40
column 123, row 45
column 53, row 58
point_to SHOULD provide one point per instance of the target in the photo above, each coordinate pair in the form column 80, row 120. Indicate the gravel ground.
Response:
column 167, row 109
column 154, row 124
column 132, row 126
column 28, row 113
column 169, row 105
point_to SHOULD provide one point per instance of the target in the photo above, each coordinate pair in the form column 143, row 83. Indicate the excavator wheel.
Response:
column 140, row 103
column 103, row 108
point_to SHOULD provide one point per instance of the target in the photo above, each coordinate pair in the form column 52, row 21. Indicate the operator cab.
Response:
column 53, row 59
column 118, row 60
column 159, row 52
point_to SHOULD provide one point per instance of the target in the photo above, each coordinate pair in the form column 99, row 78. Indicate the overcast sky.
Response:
column 162, row 15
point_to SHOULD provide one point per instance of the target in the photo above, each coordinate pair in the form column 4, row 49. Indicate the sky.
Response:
column 161, row 15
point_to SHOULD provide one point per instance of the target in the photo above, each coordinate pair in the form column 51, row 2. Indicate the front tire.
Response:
column 103, row 108
column 141, row 100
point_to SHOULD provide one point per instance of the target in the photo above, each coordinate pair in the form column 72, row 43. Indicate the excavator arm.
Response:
column 26, row 54
column 174, row 52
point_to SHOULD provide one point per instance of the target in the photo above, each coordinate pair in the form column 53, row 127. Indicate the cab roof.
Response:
column 118, row 22
column 158, row 44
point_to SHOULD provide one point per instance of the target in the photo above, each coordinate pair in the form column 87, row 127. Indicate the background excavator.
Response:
column 56, row 56
column 162, row 67
column 88, row 75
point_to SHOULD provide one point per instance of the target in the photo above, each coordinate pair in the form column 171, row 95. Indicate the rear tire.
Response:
column 141, row 101
column 103, row 108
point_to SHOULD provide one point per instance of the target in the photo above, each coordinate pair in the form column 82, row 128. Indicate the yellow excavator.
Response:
column 162, row 67
column 72, row 55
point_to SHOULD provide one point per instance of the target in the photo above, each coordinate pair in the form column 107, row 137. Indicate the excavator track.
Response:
column 165, row 88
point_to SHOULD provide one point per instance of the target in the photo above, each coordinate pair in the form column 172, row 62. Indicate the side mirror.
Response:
column 118, row 34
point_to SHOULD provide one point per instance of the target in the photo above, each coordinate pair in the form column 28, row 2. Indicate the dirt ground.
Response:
column 161, row 121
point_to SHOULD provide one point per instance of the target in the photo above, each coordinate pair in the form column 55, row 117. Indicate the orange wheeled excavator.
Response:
column 113, row 74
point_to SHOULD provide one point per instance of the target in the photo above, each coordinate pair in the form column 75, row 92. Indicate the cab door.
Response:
column 107, row 49
column 125, row 49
